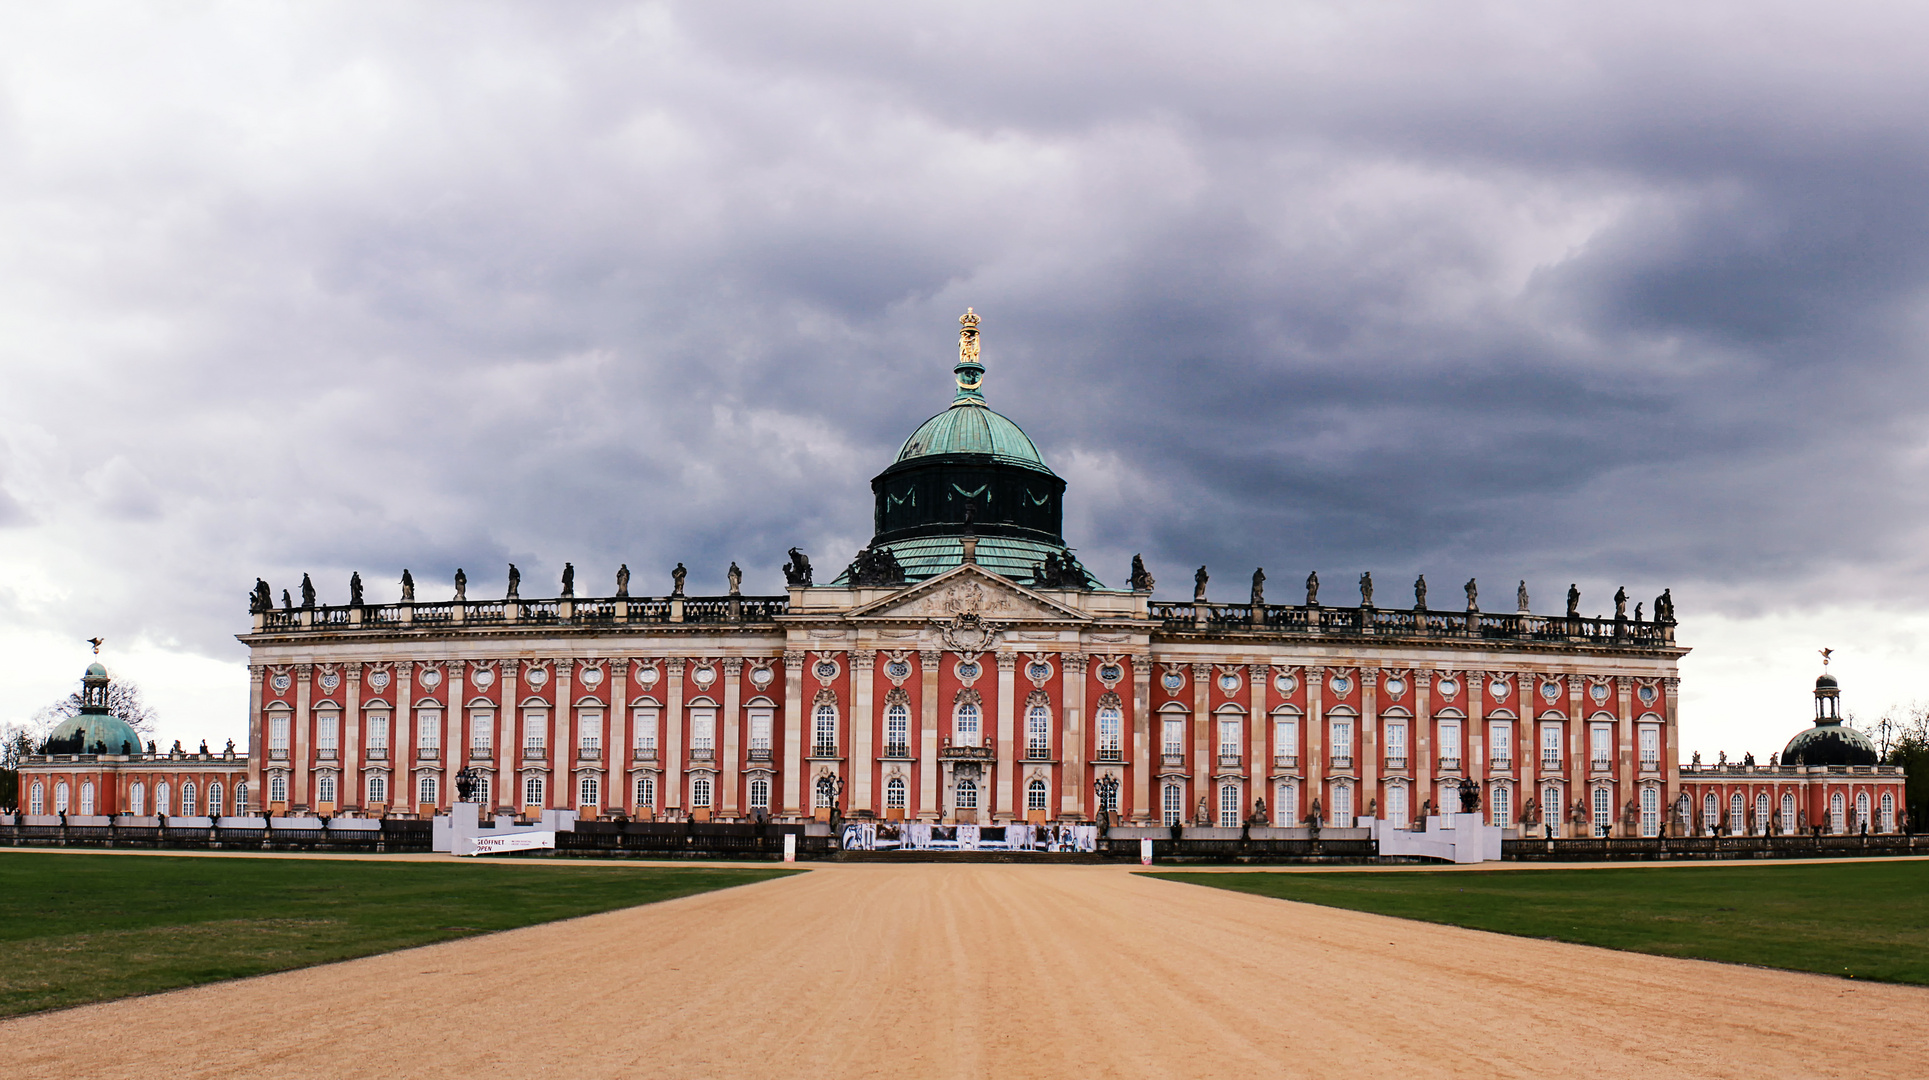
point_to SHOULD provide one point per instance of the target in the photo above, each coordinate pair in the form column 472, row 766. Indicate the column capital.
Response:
column 794, row 661
column 1074, row 663
column 1423, row 678
column 863, row 659
column 1007, row 662
column 929, row 657
column 1475, row 679
column 1202, row 671
column 732, row 666
column 256, row 673
column 304, row 670
column 1624, row 682
column 1370, row 678
column 620, row 665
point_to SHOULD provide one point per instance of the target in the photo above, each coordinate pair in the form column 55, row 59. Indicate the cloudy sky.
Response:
column 1618, row 295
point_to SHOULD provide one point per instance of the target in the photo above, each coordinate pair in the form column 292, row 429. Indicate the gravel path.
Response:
column 992, row 970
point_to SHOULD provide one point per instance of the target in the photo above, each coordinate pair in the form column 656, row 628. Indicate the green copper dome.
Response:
column 95, row 729
column 969, row 427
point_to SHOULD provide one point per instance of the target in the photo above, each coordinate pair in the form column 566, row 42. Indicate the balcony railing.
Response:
column 428, row 753
column 759, row 753
column 1396, row 762
column 1229, row 761
column 1291, row 619
column 1110, row 754
column 325, row 754
column 1600, row 764
column 704, row 753
column 1172, row 760
column 534, row 753
column 1038, row 753
column 1649, row 764
column 1449, row 764
column 1285, row 761
column 897, row 750
column 1342, row 761
column 563, row 611
column 643, row 753
column 1551, row 761
column 588, row 753
column 1500, row 764
column 823, row 749
column 278, row 753
column 481, row 753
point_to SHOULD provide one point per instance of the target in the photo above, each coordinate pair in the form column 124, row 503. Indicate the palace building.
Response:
column 966, row 667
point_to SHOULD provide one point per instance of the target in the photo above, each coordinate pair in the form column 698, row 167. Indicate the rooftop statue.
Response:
column 569, row 579
column 676, row 578
column 1366, row 589
column 408, row 587
column 736, row 579
column 262, row 599
column 355, row 589
column 874, row 567
column 1259, row 587
column 461, row 585
column 1473, row 595
column 1141, row 577
column 797, row 571
column 1199, row 579
column 1620, row 603
column 1420, row 593
column 1520, row 597
column 1312, row 589
column 515, row 583
column 287, row 604
column 1573, row 601
column 623, row 580
column 307, row 592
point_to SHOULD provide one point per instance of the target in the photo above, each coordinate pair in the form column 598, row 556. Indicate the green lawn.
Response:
column 80, row 928
column 1867, row 920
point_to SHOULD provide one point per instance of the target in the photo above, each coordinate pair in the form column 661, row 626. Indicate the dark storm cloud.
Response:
column 1609, row 295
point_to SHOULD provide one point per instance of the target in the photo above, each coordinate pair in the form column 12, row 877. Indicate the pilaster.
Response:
column 1420, row 754
column 1579, row 752
column 929, row 808
column 671, row 753
column 257, row 739
column 1315, row 763
column 1144, row 740
column 509, row 747
column 1370, row 758
column 1204, row 755
column 401, row 740
column 1073, row 790
column 863, row 726
column 730, row 762
column 300, row 742
column 354, row 795
column 617, row 753
column 563, row 749
column 455, row 732
column 1001, row 790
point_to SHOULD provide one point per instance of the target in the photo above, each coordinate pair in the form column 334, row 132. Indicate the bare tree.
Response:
column 123, row 700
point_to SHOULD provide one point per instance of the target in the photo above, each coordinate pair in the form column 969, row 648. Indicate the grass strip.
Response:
column 81, row 928
column 1862, row 920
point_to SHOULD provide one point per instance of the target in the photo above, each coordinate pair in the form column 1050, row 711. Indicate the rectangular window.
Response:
column 1342, row 741
column 1396, row 742
column 326, row 725
column 643, row 721
column 1038, row 737
column 425, row 790
column 897, row 731
column 703, row 730
column 1285, row 739
column 278, row 732
column 1450, row 743
column 482, row 731
column 1175, row 737
column 824, row 732
column 589, row 731
column 1650, row 746
column 428, row 731
column 1229, row 739
column 760, row 730
column 378, row 732
column 1551, row 746
column 1601, row 740
column 325, row 788
column 1500, row 745
column 535, row 731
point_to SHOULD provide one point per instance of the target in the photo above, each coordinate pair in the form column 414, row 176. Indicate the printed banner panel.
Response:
column 924, row 836
column 528, row 841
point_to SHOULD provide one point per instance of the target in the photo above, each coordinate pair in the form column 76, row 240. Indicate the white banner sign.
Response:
column 528, row 841
column 790, row 847
column 1145, row 851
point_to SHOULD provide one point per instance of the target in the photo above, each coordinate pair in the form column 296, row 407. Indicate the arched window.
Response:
column 189, row 805
column 1500, row 804
column 215, row 792
column 1110, row 748
column 645, row 793
column 1552, row 812
column 826, row 793
column 481, row 794
column 63, row 798
column 87, row 798
column 1035, row 794
column 241, row 798
column 1229, row 806
column 1788, row 812
column 1861, row 810
column 1038, row 732
column 277, row 790
column 1343, row 805
column 894, row 793
column 378, row 790
column 426, row 790
column 324, row 788
column 589, row 792
column 532, row 791
column 163, row 805
column 136, row 799
column 37, row 802
column 1836, row 824
column 1603, row 810
column 1650, row 811
column 700, row 793
column 965, row 727
column 1710, row 812
column 967, row 794
column 897, row 730
column 1397, row 811
column 1286, row 804
column 1737, row 811
column 1888, row 823
column 1761, row 812
column 760, row 794
column 1172, row 804
column 824, row 731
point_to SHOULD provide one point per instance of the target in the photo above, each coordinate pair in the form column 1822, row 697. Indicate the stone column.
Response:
column 1073, row 789
column 792, row 805
column 1670, row 747
column 1144, row 740
column 929, row 808
column 1477, row 732
column 1369, row 751
column 299, row 741
column 401, row 724
column 1316, row 749
column 562, row 751
column 1420, row 740
column 1527, row 739
column 617, row 753
column 509, row 747
column 354, row 784
column 1627, row 773
column 1203, row 755
column 455, row 729
column 729, row 757
column 1258, row 765
column 257, row 743
column 863, row 723
column 1580, row 751
column 671, row 752
column 1000, row 796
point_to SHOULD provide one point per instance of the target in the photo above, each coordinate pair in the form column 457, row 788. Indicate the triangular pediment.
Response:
column 970, row 590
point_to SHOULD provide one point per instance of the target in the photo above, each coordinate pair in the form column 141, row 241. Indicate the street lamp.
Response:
column 1107, row 789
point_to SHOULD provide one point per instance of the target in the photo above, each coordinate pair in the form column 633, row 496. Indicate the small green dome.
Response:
column 970, row 427
column 97, row 729
column 95, row 671
column 1830, row 744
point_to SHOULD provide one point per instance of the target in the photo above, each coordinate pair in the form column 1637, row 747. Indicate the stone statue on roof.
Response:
column 408, row 587
column 1199, row 579
column 461, row 585
column 1366, row 589
column 569, row 579
column 1312, row 589
column 623, row 580
column 676, row 579
column 355, row 589
column 307, row 592
column 515, row 583
column 1420, row 593
column 1141, row 577
column 736, row 578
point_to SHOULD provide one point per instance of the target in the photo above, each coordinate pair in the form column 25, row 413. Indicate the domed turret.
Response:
column 1829, row 742
column 95, row 729
column 968, row 472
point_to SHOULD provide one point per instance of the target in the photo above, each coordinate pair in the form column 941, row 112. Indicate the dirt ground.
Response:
column 992, row 970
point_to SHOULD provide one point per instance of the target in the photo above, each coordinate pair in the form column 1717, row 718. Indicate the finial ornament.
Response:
column 1826, row 653
column 971, row 373
column 96, row 643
